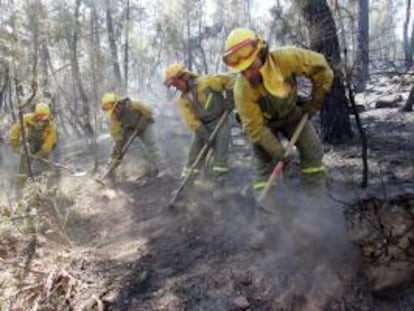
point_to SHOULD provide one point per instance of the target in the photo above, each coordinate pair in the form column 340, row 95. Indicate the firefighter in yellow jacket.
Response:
column 266, row 98
column 40, row 132
column 125, row 116
column 203, row 101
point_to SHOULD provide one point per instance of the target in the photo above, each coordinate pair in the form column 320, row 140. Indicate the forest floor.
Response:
column 121, row 247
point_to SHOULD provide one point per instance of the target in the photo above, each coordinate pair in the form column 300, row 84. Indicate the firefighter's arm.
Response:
column 253, row 123
column 49, row 142
column 313, row 66
column 226, row 82
column 115, row 128
column 16, row 129
column 142, row 109
column 187, row 112
column 116, row 134
column 15, row 136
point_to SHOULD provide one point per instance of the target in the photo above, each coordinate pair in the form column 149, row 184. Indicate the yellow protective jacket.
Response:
column 41, row 138
column 129, row 118
column 205, row 101
column 278, row 88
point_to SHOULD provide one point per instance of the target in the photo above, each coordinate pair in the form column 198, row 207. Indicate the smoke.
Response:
column 297, row 243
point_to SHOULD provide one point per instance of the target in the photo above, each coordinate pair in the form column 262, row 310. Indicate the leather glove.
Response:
column 16, row 148
column 309, row 108
column 112, row 162
column 202, row 133
column 271, row 145
column 237, row 117
column 143, row 123
column 229, row 101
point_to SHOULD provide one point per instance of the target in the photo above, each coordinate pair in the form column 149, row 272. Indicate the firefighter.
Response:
column 40, row 132
column 202, row 102
column 266, row 98
column 125, row 116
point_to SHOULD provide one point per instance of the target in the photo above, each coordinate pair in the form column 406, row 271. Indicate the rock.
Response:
column 241, row 303
column 107, row 195
column 388, row 279
column 384, row 231
column 389, row 102
column 359, row 109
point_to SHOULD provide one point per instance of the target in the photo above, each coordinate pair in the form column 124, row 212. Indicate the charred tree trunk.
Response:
column 94, row 61
column 76, row 75
column 112, row 42
column 189, row 45
column 410, row 102
column 126, row 48
column 335, row 122
column 362, row 59
column 412, row 43
column 5, row 83
column 408, row 49
column 43, row 66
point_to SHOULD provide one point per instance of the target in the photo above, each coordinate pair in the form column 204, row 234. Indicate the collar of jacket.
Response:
column 273, row 79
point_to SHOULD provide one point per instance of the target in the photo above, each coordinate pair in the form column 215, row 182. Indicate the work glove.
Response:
column 16, row 148
column 229, row 101
column 237, row 117
column 270, row 143
column 112, row 161
column 203, row 133
column 309, row 108
column 143, row 123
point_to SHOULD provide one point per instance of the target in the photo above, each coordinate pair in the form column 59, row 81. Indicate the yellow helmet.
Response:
column 42, row 111
column 241, row 49
column 174, row 70
column 109, row 100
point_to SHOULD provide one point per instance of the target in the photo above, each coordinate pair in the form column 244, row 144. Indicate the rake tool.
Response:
column 73, row 171
column 199, row 157
column 114, row 163
column 278, row 169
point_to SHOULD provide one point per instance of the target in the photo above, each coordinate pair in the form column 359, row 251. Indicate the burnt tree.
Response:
column 335, row 124
column 410, row 102
column 407, row 43
column 112, row 41
column 362, row 57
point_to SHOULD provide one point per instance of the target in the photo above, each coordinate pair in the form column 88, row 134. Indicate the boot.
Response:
column 220, row 187
column 314, row 184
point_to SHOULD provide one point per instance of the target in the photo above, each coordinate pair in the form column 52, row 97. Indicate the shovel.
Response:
column 115, row 162
column 278, row 169
column 73, row 171
column 200, row 156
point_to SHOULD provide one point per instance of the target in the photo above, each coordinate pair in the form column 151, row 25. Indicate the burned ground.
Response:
column 223, row 252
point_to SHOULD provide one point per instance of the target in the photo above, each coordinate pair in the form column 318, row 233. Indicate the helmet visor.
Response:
column 240, row 52
column 107, row 106
column 42, row 116
column 173, row 80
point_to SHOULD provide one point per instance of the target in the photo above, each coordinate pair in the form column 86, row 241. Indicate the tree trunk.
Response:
column 112, row 43
column 408, row 50
column 76, row 74
column 362, row 59
column 5, row 80
column 43, row 65
column 189, row 45
column 94, row 62
column 410, row 102
column 126, row 48
column 412, row 44
column 335, row 123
